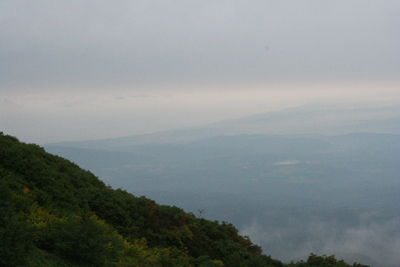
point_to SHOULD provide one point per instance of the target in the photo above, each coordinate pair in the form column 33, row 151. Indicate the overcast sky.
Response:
column 79, row 70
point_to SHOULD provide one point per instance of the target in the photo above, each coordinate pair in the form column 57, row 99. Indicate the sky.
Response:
column 84, row 70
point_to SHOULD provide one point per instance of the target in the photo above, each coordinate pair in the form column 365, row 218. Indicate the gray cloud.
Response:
column 142, row 96
column 141, row 42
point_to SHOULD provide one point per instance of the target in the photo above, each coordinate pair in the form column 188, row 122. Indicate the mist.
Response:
column 356, row 236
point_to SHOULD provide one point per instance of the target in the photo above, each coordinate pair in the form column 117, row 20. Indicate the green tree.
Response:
column 15, row 233
column 81, row 239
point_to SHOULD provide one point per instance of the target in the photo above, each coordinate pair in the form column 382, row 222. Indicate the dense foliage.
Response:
column 53, row 213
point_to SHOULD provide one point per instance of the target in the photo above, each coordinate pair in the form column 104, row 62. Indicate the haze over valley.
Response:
column 332, row 194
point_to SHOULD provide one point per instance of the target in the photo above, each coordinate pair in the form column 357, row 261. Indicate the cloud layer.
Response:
column 369, row 238
column 185, row 41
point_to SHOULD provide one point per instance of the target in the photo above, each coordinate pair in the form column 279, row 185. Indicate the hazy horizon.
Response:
column 73, row 71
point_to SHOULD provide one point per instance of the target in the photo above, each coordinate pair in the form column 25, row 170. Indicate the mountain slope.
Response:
column 53, row 213
column 53, row 200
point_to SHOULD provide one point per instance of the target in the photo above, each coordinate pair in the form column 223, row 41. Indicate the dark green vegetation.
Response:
column 53, row 213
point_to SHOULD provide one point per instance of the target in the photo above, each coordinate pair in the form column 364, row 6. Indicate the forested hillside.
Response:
column 53, row 213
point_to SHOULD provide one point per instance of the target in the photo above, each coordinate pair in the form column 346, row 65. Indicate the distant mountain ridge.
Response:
column 309, row 120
